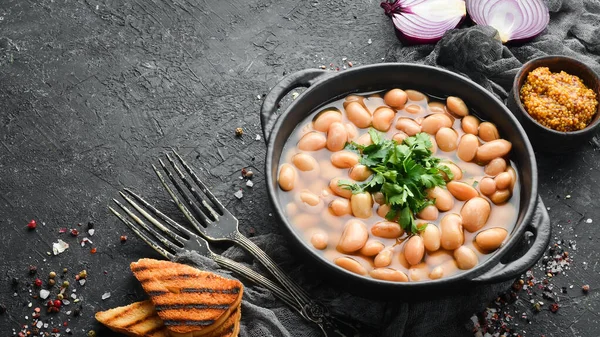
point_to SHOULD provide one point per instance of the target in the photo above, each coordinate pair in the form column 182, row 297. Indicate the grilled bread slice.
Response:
column 190, row 302
column 137, row 319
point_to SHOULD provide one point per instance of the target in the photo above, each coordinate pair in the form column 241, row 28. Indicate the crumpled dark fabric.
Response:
column 574, row 30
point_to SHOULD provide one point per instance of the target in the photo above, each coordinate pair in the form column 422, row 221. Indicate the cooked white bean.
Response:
column 419, row 272
column 344, row 159
column 319, row 239
column 414, row 250
column 324, row 119
column 383, row 210
column 431, row 237
column 340, row 207
column 444, row 201
column 503, row 181
column 495, row 167
column 475, row 214
column 513, row 177
column 470, row 125
column 438, row 257
column 465, row 258
column 388, row 274
column 396, row 98
column 457, row 106
column 359, row 172
column 414, row 95
column 350, row 265
column 358, row 115
column 494, row 149
column 467, row 147
column 456, row 171
column 490, row 239
column 310, row 198
column 400, row 137
column 446, row 139
column 488, row 132
column 379, row 198
column 312, row 141
column 433, row 148
column 436, row 273
column 372, row 248
column 408, row 125
column 364, row 140
column 413, row 109
column 337, row 136
column 384, row 258
column 433, row 123
column 387, row 229
column 382, row 118
column 500, row 196
column 452, row 235
column 339, row 190
column 362, row 205
column 487, row 186
column 437, row 108
column 461, row 191
column 304, row 162
column 287, row 177
column 430, row 212
column 352, row 131
column 354, row 236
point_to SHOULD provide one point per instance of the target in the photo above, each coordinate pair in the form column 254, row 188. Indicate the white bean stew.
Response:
column 399, row 186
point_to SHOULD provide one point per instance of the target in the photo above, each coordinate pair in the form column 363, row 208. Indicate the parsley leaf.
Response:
column 402, row 172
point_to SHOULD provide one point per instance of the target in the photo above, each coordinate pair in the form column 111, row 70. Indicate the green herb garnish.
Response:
column 402, row 172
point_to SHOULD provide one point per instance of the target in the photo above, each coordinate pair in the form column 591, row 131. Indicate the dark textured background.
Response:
column 91, row 92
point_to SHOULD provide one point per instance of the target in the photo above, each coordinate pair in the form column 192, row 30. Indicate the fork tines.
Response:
column 167, row 247
column 206, row 211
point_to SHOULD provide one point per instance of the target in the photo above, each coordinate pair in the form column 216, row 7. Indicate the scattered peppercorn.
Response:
column 32, row 224
column 90, row 225
column 51, row 282
column 65, row 270
column 52, row 274
column 537, row 307
column 93, row 250
column 123, row 238
column 57, row 303
column 91, row 333
column 65, row 284
column 32, row 270
column 249, row 174
column 83, row 274
column 60, row 296
column 77, row 312
column 74, row 232
column 585, row 288
column 558, row 101
column 239, row 132
column 37, row 282
column 554, row 307
column 2, row 308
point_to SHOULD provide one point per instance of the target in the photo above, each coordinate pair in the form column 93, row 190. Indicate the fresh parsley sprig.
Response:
column 402, row 172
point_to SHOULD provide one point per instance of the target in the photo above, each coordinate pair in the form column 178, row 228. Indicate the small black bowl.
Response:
column 542, row 138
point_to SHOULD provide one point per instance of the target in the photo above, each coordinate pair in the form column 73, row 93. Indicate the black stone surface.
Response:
column 92, row 91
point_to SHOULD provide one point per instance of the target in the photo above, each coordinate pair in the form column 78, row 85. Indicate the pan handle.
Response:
column 302, row 78
column 542, row 230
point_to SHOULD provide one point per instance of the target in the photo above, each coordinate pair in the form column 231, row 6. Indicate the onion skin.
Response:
column 533, row 15
column 424, row 21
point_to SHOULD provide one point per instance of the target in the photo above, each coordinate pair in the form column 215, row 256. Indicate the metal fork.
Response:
column 221, row 225
column 169, row 243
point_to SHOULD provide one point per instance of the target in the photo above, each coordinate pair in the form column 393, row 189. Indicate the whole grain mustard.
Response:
column 559, row 101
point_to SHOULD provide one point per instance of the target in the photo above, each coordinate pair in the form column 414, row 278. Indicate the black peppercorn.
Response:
column 90, row 225
column 32, row 270
column 2, row 308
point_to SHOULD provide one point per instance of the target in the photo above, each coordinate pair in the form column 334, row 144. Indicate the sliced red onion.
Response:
column 515, row 20
column 424, row 21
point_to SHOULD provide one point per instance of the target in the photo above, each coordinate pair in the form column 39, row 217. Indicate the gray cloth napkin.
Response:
column 574, row 30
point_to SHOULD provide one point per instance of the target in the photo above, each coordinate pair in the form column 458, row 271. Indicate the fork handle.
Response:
column 256, row 278
column 298, row 293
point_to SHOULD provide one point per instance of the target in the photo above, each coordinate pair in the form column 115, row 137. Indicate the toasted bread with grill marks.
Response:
column 137, row 319
column 190, row 302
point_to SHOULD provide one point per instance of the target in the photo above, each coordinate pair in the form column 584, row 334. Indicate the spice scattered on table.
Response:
column 239, row 132
column 32, row 224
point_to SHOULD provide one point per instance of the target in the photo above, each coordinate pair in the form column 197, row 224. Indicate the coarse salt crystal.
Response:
column 105, row 295
column 82, row 281
column 44, row 294
column 59, row 247
column 39, row 324
column 239, row 194
column 66, row 302
column 589, row 220
column 249, row 183
column 369, row 41
column 295, row 95
column 258, row 137
column 73, row 296
column 91, row 231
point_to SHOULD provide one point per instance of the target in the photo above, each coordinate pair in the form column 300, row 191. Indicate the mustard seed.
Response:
column 52, row 274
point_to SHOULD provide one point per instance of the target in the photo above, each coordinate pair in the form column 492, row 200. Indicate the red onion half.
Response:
column 514, row 20
column 424, row 21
